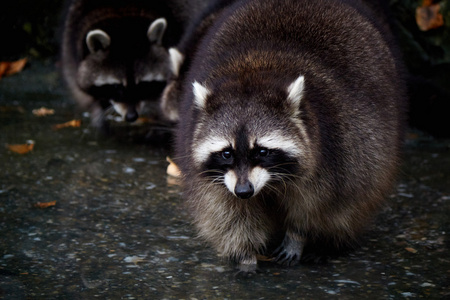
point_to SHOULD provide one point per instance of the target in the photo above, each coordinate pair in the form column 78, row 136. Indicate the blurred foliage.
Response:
column 29, row 28
column 427, row 56
column 422, row 49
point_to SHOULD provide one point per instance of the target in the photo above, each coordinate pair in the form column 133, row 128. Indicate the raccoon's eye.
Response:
column 263, row 152
column 226, row 154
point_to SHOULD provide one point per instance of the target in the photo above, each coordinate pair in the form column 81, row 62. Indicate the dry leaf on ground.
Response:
column 263, row 258
column 21, row 148
column 45, row 204
column 12, row 109
column 144, row 120
column 12, row 67
column 43, row 111
column 412, row 250
column 172, row 169
column 73, row 123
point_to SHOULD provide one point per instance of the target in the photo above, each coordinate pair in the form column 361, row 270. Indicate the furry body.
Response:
column 111, row 55
column 181, row 57
column 296, row 126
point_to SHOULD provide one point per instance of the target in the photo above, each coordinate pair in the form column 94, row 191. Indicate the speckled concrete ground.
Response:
column 118, row 229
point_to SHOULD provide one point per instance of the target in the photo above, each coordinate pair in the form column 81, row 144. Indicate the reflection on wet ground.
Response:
column 118, row 229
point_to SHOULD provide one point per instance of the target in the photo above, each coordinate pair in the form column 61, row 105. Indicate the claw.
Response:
column 290, row 250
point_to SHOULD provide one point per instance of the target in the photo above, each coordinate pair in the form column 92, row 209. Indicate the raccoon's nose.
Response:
column 131, row 115
column 244, row 190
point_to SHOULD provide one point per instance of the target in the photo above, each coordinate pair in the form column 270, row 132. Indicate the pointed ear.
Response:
column 295, row 92
column 97, row 40
column 156, row 30
column 200, row 94
column 176, row 60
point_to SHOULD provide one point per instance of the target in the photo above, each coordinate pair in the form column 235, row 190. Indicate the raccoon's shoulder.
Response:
column 181, row 56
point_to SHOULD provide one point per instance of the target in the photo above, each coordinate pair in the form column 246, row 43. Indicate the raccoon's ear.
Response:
column 97, row 40
column 176, row 60
column 295, row 92
column 156, row 30
column 200, row 94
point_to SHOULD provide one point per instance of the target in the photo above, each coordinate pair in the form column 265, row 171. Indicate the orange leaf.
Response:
column 42, row 112
column 9, row 68
column 22, row 148
column 3, row 67
column 45, row 204
column 172, row 169
column 263, row 258
column 73, row 123
column 428, row 16
column 12, row 109
column 144, row 120
column 412, row 250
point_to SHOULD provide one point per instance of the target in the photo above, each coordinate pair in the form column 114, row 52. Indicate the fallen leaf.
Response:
column 43, row 111
column 45, row 204
column 73, row 123
column 263, row 258
column 21, row 148
column 428, row 16
column 412, row 250
column 12, row 109
column 144, row 120
column 12, row 67
column 172, row 169
column 3, row 67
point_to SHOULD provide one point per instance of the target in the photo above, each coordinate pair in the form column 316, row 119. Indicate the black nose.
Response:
column 131, row 115
column 244, row 190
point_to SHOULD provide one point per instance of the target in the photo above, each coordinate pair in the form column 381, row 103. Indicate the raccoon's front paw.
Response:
column 290, row 250
column 247, row 266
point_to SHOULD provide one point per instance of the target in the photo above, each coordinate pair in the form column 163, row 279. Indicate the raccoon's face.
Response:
column 119, row 75
column 250, row 143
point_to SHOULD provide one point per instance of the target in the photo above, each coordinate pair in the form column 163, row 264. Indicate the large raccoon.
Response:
column 115, row 52
column 292, row 121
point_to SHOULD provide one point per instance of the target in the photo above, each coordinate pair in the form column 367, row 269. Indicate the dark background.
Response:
column 32, row 29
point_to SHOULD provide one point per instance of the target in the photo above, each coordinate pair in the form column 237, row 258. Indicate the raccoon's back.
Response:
column 354, row 80
column 342, row 39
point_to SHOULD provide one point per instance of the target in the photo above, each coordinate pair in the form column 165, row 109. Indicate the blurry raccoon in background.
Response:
column 114, row 53
column 292, row 121
column 181, row 56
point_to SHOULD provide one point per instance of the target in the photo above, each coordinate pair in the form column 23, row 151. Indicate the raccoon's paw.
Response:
column 290, row 251
column 247, row 267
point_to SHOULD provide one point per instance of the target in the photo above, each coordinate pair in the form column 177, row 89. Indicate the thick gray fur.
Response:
column 347, row 123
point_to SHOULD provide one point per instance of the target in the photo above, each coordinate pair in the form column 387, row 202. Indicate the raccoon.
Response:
column 114, row 53
column 294, row 127
column 181, row 55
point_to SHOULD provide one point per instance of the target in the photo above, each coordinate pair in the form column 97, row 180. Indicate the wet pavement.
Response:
column 118, row 229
